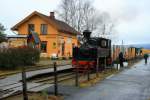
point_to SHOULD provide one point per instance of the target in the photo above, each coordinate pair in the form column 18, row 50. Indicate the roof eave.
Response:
column 15, row 27
column 68, row 32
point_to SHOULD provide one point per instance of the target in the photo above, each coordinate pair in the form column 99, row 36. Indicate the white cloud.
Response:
column 133, row 17
column 12, row 11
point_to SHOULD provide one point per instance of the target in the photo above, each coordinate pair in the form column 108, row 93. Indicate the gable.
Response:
column 28, row 18
column 37, row 21
column 60, row 26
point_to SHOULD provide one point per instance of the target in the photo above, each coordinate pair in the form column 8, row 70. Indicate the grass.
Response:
column 94, row 79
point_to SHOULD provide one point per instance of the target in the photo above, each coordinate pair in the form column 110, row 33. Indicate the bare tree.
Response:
column 81, row 15
column 105, row 25
column 89, row 12
column 77, row 13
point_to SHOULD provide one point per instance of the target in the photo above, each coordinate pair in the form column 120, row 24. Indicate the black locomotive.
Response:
column 94, row 51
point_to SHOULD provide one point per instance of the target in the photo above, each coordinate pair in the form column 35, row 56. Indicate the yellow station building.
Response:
column 56, row 37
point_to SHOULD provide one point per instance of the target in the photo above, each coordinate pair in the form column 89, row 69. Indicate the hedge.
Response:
column 22, row 56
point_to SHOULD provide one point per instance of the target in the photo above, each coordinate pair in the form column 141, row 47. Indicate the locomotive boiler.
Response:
column 93, row 52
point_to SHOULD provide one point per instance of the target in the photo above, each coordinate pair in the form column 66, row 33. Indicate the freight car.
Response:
column 93, row 53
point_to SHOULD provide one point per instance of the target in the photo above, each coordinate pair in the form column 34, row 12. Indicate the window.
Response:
column 69, row 40
column 44, row 46
column 54, row 45
column 103, row 43
column 63, row 49
column 73, row 45
column 30, row 28
column 44, row 29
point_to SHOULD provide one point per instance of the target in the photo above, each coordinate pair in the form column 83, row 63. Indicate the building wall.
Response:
column 16, row 42
column 145, row 51
column 69, row 41
column 4, row 45
column 52, row 37
column 23, row 29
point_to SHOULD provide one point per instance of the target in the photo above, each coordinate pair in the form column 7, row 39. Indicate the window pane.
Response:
column 30, row 28
column 43, row 28
column 54, row 45
column 103, row 43
column 69, row 40
column 43, row 46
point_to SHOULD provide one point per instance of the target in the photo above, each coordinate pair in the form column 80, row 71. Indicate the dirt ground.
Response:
column 35, row 96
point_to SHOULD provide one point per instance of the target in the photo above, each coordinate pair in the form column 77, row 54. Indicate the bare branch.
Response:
column 81, row 15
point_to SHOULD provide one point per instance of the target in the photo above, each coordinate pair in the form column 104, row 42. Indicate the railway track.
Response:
column 36, row 83
column 33, row 85
column 43, row 80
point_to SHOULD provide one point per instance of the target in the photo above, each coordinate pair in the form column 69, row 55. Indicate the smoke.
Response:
column 131, row 18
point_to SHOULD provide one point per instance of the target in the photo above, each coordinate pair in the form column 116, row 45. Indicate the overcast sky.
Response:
column 132, row 16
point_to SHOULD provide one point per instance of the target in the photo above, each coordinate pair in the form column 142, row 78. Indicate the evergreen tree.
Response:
column 2, row 35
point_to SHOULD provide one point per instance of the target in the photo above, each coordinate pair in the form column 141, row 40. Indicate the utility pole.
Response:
column 122, row 47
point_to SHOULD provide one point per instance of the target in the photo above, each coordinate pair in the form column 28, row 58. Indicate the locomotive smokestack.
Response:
column 87, row 34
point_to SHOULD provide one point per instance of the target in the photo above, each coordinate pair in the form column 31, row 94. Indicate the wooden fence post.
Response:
column 55, row 79
column 97, row 67
column 24, row 84
column 88, row 75
column 76, row 78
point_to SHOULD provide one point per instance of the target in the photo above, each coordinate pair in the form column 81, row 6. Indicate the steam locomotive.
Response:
column 95, row 51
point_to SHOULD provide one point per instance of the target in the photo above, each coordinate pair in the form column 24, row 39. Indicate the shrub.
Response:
column 64, row 58
column 70, row 57
column 22, row 56
column 54, row 58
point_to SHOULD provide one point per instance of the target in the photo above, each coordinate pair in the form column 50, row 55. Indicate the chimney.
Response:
column 87, row 34
column 52, row 15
